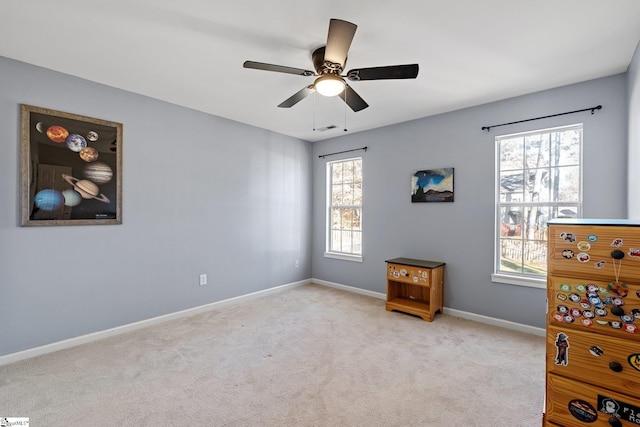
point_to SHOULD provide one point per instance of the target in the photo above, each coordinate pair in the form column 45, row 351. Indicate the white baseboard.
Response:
column 449, row 311
column 83, row 339
column 373, row 294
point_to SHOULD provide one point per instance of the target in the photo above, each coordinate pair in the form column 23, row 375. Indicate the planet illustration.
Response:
column 86, row 188
column 48, row 200
column 92, row 135
column 57, row 133
column 89, row 154
column 39, row 127
column 98, row 172
column 71, row 197
column 76, row 142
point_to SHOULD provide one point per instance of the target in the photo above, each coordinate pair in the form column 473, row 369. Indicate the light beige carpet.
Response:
column 307, row 356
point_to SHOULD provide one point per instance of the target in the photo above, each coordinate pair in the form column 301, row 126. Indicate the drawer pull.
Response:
column 615, row 366
column 614, row 422
column 617, row 311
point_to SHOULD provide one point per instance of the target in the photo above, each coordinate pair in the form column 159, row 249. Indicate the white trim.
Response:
column 360, row 291
column 519, row 281
column 83, row 339
column 520, row 327
column 507, row 324
column 344, row 257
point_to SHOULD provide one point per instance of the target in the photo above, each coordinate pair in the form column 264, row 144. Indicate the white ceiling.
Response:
column 190, row 52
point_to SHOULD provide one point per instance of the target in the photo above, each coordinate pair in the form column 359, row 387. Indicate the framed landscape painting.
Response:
column 71, row 168
column 432, row 185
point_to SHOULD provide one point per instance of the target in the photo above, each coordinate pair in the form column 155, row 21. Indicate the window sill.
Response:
column 519, row 281
column 344, row 257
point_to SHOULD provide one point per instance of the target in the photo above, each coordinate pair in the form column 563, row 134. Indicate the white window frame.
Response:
column 524, row 279
column 329, row 253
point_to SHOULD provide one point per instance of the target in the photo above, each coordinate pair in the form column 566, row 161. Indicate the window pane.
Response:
column 537, row 150
column 511, row 255
column 537, row 188
column 511, row 222
column 347, row 172
column 567, row 147
column 568, row 184
column 347, row 194
column 511, row 186
column 535, row 257
column 336, row 194
column 511, row 152
column 357, row 194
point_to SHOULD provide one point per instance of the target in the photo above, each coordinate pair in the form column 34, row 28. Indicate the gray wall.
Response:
column 461, row 233
column 633, row 82
column 200, row 195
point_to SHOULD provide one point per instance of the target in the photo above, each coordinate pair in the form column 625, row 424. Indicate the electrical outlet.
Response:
column 297, row 263
column 203, row 279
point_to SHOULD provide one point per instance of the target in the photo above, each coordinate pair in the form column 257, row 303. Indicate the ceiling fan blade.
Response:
column 353, row 100
column 277, row 68
column 339, row 40
column 297, row 97
column 384, row 73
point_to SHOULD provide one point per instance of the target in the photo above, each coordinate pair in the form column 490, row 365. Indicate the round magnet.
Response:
column 615, row 324
column 586, row 322
column 601, row 312
column 631, row 328
column 603, row 290
column 584, row 303
column 616, row 243
column 575, row 312
column 581, row 287
column 568, row 237
column 396, row 274
column 565, row 287
column 403, row 272
column 568, row 253
column 584, row 246
column 583, row 257
column 636, row 313
column 626, row 318
column 634, row 361
column 600, row 264
column 588, row 314
column 561, row 297
column 583, row 411
column 596, row 351
column 617, row 301
column 558, row 317
column 634, row 252
column 569, row 319
column 592, row 238
column 591, row 288
column 574, row 297
column 562, row 309
column 595, row 300
column 602, row 322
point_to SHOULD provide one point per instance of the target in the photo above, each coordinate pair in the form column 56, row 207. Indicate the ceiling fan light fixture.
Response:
column 329, row 85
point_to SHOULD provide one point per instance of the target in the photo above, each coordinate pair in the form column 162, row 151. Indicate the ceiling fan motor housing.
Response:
column 325, row 67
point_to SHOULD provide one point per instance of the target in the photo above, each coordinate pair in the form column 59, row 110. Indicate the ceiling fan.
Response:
column 329, row 62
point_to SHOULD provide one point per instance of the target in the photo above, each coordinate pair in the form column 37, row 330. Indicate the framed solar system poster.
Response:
column 71, row 167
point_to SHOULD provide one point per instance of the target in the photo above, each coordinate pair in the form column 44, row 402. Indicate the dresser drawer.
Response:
column 571, row 403
column 594, row 306
column 408, row 274
column 596, row 359
column 585, row 251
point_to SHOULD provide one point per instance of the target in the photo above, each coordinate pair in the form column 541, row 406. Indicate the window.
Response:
column 538, row 178
column 344, row 209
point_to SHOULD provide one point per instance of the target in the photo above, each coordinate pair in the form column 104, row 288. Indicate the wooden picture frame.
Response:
column 71, row 168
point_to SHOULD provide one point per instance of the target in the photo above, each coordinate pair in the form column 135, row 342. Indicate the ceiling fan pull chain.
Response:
column 345, row 110
column 314, row 112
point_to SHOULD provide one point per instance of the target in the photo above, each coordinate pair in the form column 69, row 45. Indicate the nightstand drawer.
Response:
column 408, row 274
